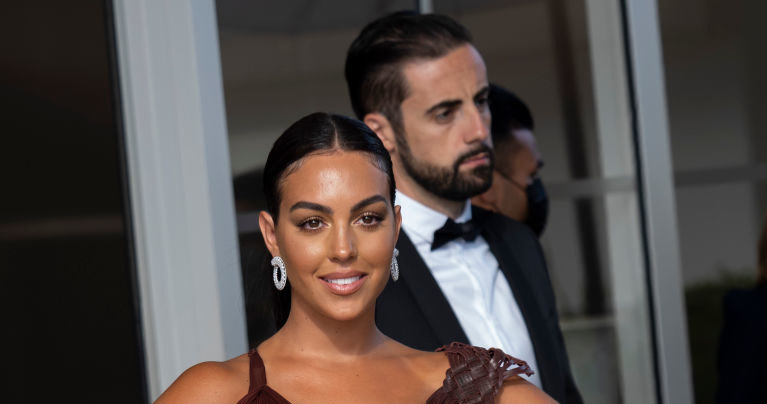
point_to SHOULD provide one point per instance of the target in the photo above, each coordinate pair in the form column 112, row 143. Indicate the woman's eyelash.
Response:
column 377, row 217
column 316, row 223
column 304, row 224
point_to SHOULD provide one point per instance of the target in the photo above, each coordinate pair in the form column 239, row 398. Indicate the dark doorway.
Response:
column 67, row 275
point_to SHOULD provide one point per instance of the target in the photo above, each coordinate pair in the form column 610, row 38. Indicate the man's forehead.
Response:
column 460, row 70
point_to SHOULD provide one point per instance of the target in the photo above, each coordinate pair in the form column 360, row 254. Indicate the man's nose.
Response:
column 477, row 125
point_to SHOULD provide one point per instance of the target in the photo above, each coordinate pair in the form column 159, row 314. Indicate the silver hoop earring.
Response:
column 394, row 267
column 278, row 263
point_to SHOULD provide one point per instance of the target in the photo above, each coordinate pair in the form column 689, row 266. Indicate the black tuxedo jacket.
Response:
column 414, row 310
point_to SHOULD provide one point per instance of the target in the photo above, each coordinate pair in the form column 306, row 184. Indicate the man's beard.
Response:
column 448, row 182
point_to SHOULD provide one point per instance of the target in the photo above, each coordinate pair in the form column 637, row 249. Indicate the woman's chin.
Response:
column 350, row 307
column 347, row 312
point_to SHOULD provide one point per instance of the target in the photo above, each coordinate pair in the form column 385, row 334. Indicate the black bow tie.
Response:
column 452, row 230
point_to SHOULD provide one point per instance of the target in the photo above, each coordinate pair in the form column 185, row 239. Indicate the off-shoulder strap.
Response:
column 259, row 392
column 257, row 371
column 476, row 374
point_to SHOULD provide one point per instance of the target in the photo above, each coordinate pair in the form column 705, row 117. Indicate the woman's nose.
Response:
column 343, row 244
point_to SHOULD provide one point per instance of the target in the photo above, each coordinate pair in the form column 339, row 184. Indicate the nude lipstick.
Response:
column 343, row 283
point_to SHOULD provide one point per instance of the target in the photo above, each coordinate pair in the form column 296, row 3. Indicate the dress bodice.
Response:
column 475, row 376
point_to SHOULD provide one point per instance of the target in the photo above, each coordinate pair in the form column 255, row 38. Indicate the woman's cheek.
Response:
column 378, row 247
column 308, row 255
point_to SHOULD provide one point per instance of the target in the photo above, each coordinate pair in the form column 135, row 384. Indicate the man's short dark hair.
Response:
column 374, row 60
column 509, row 113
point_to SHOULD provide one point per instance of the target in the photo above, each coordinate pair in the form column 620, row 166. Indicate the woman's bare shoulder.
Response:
column 210, row 383
column 429, row 366
column 518, row 390
column 422, row 359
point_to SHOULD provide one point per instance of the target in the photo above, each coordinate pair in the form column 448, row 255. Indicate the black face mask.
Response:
column 537, row 206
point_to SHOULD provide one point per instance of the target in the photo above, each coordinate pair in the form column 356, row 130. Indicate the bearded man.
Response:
column 466, row 274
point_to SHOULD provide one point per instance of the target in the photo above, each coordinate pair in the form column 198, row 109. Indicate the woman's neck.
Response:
column 314, row 334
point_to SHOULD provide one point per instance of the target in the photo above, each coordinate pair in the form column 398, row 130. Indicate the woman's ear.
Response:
column 266, row 222
column 397, row 222
column 382, row 127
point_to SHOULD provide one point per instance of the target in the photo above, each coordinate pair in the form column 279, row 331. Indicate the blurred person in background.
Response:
column 742, row 356
column 468, row 274
column 517, row 191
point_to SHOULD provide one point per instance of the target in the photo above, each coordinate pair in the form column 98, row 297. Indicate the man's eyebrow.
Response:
column 311, row 206
column 368, row 201
column 483, row 92
column 449, row 104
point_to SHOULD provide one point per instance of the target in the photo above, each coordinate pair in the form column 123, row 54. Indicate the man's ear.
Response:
column 382, row 127
column 266, row 222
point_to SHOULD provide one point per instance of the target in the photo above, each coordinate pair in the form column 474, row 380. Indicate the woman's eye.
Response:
column 369, row 220
column 311, row 224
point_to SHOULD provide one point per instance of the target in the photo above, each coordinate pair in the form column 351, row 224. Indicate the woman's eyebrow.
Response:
column 311, row 206
column 368, row 201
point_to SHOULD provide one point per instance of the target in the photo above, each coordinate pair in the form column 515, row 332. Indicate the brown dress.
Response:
column 475, row 376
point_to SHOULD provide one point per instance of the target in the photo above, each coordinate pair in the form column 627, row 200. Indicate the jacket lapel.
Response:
column 418, row 278
column 540, row 336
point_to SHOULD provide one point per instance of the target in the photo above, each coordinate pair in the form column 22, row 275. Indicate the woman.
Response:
column 332, row 228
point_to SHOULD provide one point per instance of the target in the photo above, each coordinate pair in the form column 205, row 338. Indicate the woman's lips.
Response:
column 343, row 284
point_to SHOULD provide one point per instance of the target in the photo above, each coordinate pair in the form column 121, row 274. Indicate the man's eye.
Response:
column 483, row 102
column 444, row 115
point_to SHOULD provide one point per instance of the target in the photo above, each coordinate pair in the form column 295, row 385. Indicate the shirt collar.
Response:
column 420, row 221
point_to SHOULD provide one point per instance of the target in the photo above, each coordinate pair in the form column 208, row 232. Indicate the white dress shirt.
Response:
column 472, row 281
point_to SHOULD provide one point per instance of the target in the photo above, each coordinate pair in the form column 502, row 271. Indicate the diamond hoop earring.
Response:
column 394, row 267
column 278, row 263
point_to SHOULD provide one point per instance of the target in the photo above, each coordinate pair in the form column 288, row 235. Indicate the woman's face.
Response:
column 336, row 233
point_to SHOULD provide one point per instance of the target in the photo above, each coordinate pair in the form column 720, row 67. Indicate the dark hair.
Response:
column 317, row 133
column 509, row 113
column 374, row 60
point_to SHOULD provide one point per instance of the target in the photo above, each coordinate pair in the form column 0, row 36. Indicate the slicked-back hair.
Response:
column 313, row 134
column 508, row 113
column 375, row 58
column 316, row 133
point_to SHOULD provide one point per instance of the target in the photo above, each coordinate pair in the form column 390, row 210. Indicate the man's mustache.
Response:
column 473, row 153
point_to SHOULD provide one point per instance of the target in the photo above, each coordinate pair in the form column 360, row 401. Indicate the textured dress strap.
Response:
column 476, row 374
column 257, row 371
column 259, row 392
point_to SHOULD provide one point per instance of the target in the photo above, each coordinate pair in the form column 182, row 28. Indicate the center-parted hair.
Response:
column 313, row 134
column 320, row 132
column 375, row 58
